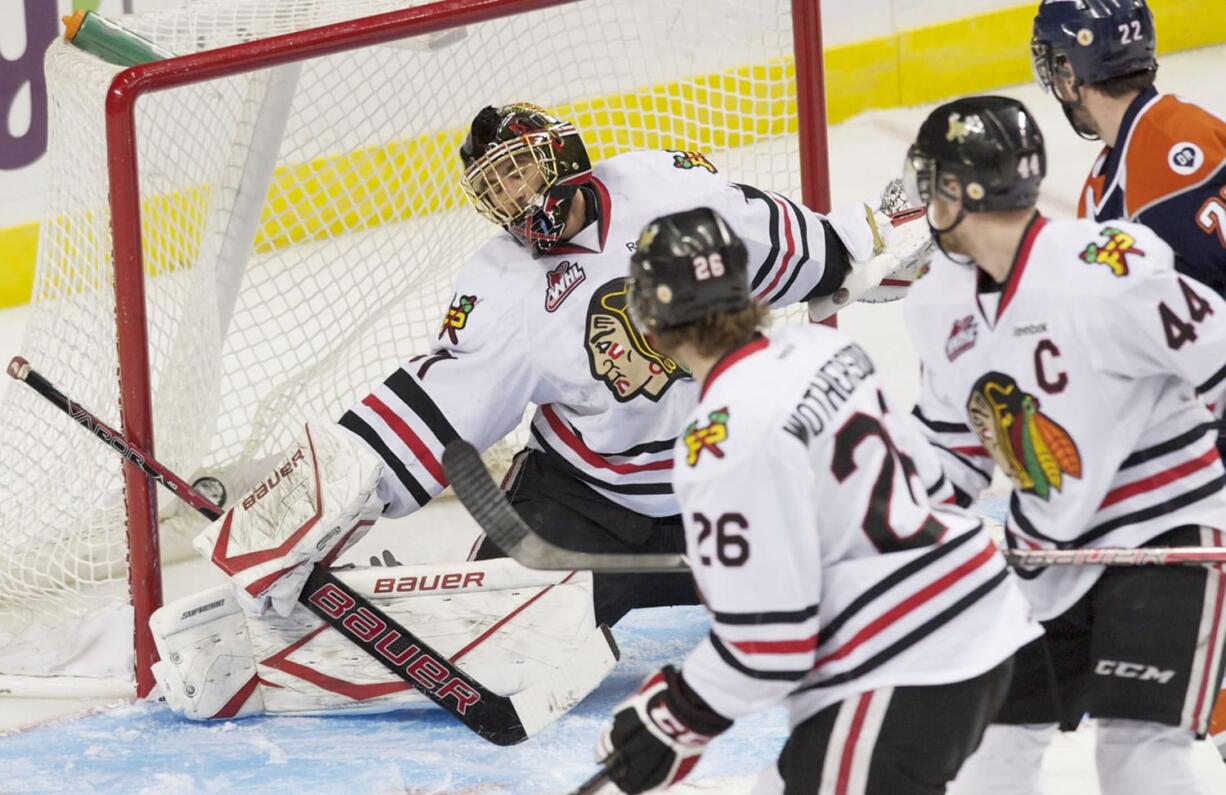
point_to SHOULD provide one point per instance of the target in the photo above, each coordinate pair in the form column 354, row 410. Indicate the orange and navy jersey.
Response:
column 1168, row 171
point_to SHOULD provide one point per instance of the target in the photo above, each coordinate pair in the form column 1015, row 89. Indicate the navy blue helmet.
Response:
column 1094, row 40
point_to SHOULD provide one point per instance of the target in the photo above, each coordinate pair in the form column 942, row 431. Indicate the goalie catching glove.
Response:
column 658, row 734
column 902, row 243
column 319, row 501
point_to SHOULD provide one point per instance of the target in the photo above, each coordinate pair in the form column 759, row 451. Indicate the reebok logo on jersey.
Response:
column 707, row 437
column 1185, row 158
column 1114, row 253
column 961, row 337
column 457, row 316
column 561, row 282
column 688, row 160
column 1029, row 329
column 1132, row 670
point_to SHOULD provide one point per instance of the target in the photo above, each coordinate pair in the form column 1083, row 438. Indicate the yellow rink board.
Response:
column 736, row 107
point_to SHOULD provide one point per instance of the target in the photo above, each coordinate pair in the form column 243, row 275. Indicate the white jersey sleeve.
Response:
column 789, row 245
column 758, row 575
column 475, row 383
column 1178, row 325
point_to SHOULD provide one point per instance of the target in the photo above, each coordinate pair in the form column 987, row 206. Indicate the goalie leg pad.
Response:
column 506, row 626
column 206, row 668
column 317, row 502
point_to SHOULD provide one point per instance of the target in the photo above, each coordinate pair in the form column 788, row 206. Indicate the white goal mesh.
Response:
column 301, row 226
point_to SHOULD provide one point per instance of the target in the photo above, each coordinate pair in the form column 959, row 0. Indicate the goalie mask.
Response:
column 522, row 168
column 686, row 266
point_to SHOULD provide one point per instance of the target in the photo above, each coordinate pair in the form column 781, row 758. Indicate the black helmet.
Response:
column 992, row 146
column 522, row 168
column 687, row 265
column 1091, row 41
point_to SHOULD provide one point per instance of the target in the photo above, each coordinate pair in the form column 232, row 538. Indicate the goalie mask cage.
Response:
column 262, row 228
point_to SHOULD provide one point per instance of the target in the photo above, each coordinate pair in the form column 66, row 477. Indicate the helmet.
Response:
column 1091, row 41
column 686, row 266
column 991, row 146
column 522, row 168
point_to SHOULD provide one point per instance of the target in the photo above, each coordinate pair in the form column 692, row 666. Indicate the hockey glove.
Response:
column 902, row 244
column 658, row 734
column 318, row 502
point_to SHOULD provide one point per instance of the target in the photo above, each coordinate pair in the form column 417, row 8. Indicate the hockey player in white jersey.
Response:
column 539, row 318
column 839, row 579
column 1075, row 357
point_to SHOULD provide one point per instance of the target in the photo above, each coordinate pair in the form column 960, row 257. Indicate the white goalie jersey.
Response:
column 820, row 536
column 555, row 332
column 1092, row 379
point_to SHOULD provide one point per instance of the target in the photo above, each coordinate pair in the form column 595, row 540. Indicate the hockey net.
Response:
column 300, row 225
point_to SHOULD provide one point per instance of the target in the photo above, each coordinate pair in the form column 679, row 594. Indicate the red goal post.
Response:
column 135, row 82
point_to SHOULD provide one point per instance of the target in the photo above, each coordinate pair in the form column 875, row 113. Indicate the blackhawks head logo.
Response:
column 1114, row 253
column 457, row 316
column 706, row 437
column 618, row 354
column 1035, row 452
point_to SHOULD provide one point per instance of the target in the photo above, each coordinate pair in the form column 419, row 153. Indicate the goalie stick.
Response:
column 503, row 720
column 489, row 506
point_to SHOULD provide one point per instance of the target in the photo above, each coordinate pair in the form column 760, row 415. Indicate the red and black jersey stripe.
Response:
column 663, row 487
column 768, row 617
column 408, row 390
column 916, row 635
column 360, row 428
column 873, row 626
column 426, row 450
column 772, row 256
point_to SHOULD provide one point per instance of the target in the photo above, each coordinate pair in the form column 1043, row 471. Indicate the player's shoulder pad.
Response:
column 493, row 283
column 1122, row 251
column 939, row 281
column 726, row 430
column 674, row 167
column 1174, row 146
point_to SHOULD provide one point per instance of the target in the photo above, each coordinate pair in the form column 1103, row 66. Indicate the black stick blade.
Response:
column 482, row 497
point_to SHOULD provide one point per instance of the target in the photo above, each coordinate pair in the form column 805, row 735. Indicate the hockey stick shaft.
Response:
column 21, row 370
column 489, row 506
column 490, row 715
column 1142, row 556
column 594, row 784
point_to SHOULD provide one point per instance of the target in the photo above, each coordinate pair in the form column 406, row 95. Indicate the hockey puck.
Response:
column 212, row 489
